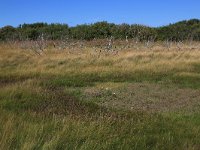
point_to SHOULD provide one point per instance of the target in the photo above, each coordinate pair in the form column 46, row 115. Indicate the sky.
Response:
column 72, row 12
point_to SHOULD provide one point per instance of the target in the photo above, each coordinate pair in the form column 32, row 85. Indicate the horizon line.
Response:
column 15, row 26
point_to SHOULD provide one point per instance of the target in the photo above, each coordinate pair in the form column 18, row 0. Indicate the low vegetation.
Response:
column 136, row 98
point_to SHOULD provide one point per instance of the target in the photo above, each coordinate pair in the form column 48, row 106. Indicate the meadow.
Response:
column 135, row 98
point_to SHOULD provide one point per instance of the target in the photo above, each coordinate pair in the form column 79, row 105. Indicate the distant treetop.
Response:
column 183, row 30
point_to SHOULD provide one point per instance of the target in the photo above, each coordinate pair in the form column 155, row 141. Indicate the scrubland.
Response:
column 84, row 99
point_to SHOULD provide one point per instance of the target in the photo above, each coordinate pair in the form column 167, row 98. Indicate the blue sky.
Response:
column 73, row 12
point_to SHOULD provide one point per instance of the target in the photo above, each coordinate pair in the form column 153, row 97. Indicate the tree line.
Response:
column 183, row 30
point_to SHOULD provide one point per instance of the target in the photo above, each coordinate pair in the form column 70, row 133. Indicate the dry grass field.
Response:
column 135, row 98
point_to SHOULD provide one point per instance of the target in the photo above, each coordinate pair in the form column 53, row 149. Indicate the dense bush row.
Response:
column 184, row 30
